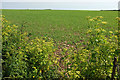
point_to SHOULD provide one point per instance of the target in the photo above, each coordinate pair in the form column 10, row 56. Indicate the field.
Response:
column 60, row 44
column 60, row 25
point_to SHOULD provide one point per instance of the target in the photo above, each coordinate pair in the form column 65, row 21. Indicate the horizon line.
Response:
column 57, row 9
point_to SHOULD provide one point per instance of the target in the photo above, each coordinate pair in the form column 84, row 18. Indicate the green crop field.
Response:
column 60, row 44
column 61, row 25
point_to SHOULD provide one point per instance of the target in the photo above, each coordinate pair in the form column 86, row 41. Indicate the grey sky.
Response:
column 60, row 0
column 60, row 4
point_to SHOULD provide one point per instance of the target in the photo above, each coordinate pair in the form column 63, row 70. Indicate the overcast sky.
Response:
column 60, row 0
column 60, row 4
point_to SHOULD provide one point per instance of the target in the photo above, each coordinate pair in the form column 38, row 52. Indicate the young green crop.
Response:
column 45, row 58
column 61, row 25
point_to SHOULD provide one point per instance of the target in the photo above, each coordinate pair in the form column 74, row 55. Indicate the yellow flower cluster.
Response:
column 97, row 18
column 104, row 22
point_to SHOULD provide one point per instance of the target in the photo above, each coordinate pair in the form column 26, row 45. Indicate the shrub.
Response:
column 101, row 48
column 23, row 57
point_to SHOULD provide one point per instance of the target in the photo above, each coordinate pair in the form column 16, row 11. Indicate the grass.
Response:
column 61, row 25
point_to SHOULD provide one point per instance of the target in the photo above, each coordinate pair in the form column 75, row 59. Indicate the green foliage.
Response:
column 102, row 46
column 26, row 57
column 60, row 25
column 23, row 57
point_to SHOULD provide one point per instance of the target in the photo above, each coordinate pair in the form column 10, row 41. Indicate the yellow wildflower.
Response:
column 91, row 20
column 116, row 31
column 99, row 20
column 33, row 76
column 37, row 45
column 8, row 26
column 110, row 32
column 6, row 21
column 117, row 18
column 98, row 30
column 76, row 76
column 34, row 67
column 115, row 36
column 104, row 22
column 48, row 68
column 15, row 26
column 78, row 72
column 43, row 40
column 69, row 71
column 101, row 17
column 113, row 50
column 89, row 31
column 103, row 30
column 26, row 50
column 40, row 50
column 20, row 52
column 40, row 71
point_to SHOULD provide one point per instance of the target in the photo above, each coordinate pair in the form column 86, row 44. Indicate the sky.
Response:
column 59, row 0
column 61, row 4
